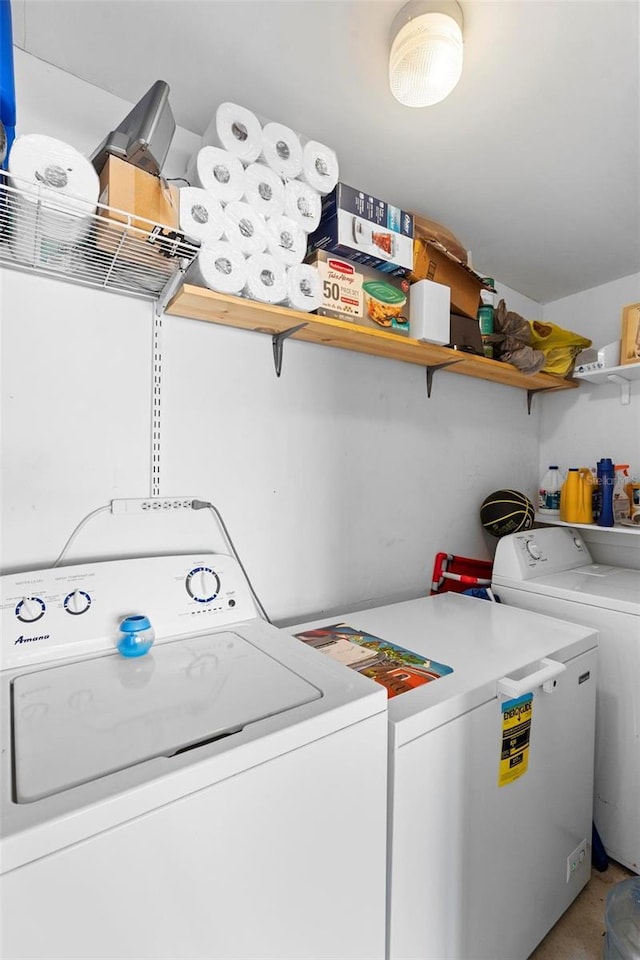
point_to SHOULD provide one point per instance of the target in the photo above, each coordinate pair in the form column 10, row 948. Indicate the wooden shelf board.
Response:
column 198, row 303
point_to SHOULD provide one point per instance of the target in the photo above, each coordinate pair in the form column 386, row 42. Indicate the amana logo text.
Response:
column 23, row 639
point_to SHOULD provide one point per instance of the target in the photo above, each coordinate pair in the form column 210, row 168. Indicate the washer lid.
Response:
column 80, row 721
column 595, row 585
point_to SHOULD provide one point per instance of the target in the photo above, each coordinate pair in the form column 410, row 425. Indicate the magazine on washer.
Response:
column 396, row 668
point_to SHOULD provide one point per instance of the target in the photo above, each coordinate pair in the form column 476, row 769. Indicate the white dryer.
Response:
column 551, row 570
column 222, row 796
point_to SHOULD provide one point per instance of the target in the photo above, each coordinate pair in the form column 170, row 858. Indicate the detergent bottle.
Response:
column 575, row 496
column 606, row 480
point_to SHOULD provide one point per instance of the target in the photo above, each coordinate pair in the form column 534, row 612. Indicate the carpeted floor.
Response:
column 579, row 934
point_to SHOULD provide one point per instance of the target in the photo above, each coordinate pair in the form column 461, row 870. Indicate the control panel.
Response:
column 70, row 611
column 536, row 553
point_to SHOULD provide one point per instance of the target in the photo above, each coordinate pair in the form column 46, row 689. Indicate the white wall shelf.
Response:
column 616, row 528
column 622, row 375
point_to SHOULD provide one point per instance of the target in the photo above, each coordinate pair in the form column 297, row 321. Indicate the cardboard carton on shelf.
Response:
column 432, row 261
column 361, row 294
column 365, row 230
column 145, row 197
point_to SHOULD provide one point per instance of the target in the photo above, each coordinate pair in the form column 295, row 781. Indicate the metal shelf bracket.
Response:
column 531, row 393
column 625, row 388
column 278, row 340
column 432, row 369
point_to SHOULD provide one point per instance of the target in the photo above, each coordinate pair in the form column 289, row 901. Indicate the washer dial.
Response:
column 30, row 609
column 77, row 602
column 533, row 550
column 203, row 584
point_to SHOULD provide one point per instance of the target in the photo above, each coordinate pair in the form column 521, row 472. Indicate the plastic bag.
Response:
column 560, row 346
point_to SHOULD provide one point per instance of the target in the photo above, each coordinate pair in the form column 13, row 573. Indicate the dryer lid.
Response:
column 595, row 585
column 83, row 720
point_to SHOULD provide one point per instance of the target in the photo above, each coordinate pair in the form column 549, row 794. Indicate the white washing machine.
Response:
column 551, row 570
column 222, row 796
column 490, row 771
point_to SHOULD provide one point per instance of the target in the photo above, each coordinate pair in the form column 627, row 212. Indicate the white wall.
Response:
column 339, row 481
column 579, row 427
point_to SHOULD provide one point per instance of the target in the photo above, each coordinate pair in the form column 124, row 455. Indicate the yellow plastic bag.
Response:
column 560, row 346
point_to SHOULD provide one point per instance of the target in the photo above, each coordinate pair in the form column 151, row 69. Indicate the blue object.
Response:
column 136, row 636
column 480, row 593
column 599, row 858
column 7, row 79
column 606, row 480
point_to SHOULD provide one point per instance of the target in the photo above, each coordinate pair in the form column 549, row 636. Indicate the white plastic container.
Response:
column 549, row 492
column 622, row 918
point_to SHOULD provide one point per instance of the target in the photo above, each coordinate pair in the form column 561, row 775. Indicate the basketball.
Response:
column 506, row 511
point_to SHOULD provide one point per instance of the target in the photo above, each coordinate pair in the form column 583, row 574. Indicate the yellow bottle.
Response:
column 575, row 496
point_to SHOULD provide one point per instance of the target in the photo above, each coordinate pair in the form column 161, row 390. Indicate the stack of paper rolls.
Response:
column 269, row 182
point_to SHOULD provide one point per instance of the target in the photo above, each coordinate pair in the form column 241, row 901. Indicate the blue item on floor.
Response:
column 481, row 593
column 599, row 858
column 622, row 919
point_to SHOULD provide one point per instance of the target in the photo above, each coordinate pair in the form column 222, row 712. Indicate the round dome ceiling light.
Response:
column 425, row 62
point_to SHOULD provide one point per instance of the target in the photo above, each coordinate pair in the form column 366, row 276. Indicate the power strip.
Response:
column 152, row 505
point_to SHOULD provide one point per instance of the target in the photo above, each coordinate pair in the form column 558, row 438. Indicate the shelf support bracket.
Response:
column 278, row 340
column 432, row 369
column 530, row 395
column 171, row 286
column 625, row 388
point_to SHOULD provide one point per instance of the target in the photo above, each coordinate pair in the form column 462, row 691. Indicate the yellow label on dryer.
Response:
column 516, row 733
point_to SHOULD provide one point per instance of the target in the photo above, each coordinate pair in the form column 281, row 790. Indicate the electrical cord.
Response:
column 203, row 505
column 77, row 530
column 195, row 505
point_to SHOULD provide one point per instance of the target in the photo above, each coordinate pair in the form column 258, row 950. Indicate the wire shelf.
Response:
column 96, row 245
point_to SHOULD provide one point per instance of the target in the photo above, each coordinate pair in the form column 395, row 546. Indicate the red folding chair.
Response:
column 459, row 573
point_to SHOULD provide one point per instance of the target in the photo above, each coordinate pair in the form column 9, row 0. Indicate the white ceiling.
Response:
column 533, row 161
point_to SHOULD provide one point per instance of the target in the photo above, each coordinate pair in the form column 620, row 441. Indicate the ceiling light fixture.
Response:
column 425, row 62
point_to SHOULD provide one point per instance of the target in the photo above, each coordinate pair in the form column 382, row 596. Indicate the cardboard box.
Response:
column 353, row 291
column 365, row 230
column 435, row 263
column 139, row 193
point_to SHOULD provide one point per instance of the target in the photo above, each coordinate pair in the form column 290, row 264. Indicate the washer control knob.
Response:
column 77, row 602
column 578, row 542
column 30, row 609
column 533, row 550
column 203, row 584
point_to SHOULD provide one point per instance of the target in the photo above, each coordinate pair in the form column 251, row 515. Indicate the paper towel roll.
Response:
column 219, row 267
column 303, row 204
column 65, row 186
column 217, row 171
column 282, row 150
column 245, row 228
column 304, row 287
column 319, row 166
column 264, row 190
column 236, row 129
column 266, row 279
column 201, row 216
column 286, row 240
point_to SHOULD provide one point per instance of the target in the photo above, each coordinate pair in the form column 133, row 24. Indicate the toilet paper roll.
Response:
column 236, row 129
column 286, row 240
column 245, row 228
column 217, row 171
column 266, row 279
column 58, row 191
column 304, row 288
column 201, row 216
column 219, row 267
column 282, row 150
column 264, row 190
column 319, row 166
column 303, row 204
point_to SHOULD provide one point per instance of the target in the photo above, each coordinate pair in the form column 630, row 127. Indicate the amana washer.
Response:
column 551, row 570
column 222, row 796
